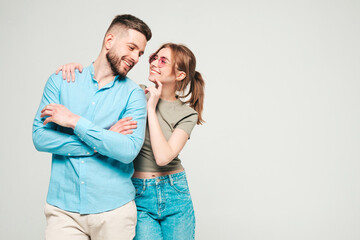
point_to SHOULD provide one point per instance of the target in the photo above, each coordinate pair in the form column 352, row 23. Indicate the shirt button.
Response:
column 93, row 103
column 82, row 161
column 87, row 153
column 82, row 182
column 69, row 154
column 94, row 147
column 95, row 85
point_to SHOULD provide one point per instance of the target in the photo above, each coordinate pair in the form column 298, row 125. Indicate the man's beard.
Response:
column 115, row 62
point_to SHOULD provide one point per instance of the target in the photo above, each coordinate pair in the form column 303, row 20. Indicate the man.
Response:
column 90, row 192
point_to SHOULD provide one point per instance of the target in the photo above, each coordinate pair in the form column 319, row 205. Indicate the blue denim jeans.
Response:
column 164, row 208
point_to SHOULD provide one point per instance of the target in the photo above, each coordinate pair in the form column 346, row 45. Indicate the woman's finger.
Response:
column 58, row 70
column 159, row 86
column 68, row 74
column 158, row 83
column 63, row 72
column 72, row 70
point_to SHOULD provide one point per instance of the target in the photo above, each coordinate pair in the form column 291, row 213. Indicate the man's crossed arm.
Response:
column 89, row 138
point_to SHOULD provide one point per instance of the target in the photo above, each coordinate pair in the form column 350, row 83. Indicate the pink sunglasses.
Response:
column 162, row 61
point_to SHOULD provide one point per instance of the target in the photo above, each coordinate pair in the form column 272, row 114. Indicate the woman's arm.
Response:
column 164, row 150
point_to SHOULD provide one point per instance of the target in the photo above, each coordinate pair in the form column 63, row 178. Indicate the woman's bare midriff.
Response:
column 148, row 175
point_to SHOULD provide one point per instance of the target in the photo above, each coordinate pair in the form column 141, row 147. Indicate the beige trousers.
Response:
column 117, row 224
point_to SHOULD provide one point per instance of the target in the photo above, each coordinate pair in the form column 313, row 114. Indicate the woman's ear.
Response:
column 180, row 76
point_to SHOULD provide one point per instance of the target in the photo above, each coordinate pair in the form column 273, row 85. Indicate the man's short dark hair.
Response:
column 131, row 22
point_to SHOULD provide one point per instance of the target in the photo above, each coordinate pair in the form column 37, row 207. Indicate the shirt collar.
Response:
column 110, row 84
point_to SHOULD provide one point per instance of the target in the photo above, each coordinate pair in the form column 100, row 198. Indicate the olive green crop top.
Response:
column 171, row 115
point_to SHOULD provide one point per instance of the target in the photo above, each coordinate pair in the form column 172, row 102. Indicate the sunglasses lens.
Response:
column 162, row 62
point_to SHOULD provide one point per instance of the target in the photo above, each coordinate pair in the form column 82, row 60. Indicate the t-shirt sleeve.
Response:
column 143, row 87
column 188, row 123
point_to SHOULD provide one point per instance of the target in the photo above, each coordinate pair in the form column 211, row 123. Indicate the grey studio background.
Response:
column 278, row 157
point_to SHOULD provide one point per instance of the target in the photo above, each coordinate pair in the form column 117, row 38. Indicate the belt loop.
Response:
column 171, row 180
column 144, row 184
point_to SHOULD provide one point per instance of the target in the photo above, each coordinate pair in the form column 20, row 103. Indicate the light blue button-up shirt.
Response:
column 91, row 166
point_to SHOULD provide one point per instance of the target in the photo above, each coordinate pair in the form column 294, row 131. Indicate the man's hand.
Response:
column 60, row 115
column 124, row 126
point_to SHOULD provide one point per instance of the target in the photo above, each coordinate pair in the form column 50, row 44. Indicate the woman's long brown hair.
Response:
column 185, row 61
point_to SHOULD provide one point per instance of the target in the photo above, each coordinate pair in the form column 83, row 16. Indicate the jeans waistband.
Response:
column 156, row 180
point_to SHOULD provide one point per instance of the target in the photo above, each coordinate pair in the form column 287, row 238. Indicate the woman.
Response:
column 165, row 209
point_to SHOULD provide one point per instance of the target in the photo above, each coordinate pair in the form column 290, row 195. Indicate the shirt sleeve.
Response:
column 48, row 138
column 123, row 148
column 188, row 123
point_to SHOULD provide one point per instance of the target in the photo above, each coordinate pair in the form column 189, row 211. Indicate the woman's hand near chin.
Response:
column 155, row 93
